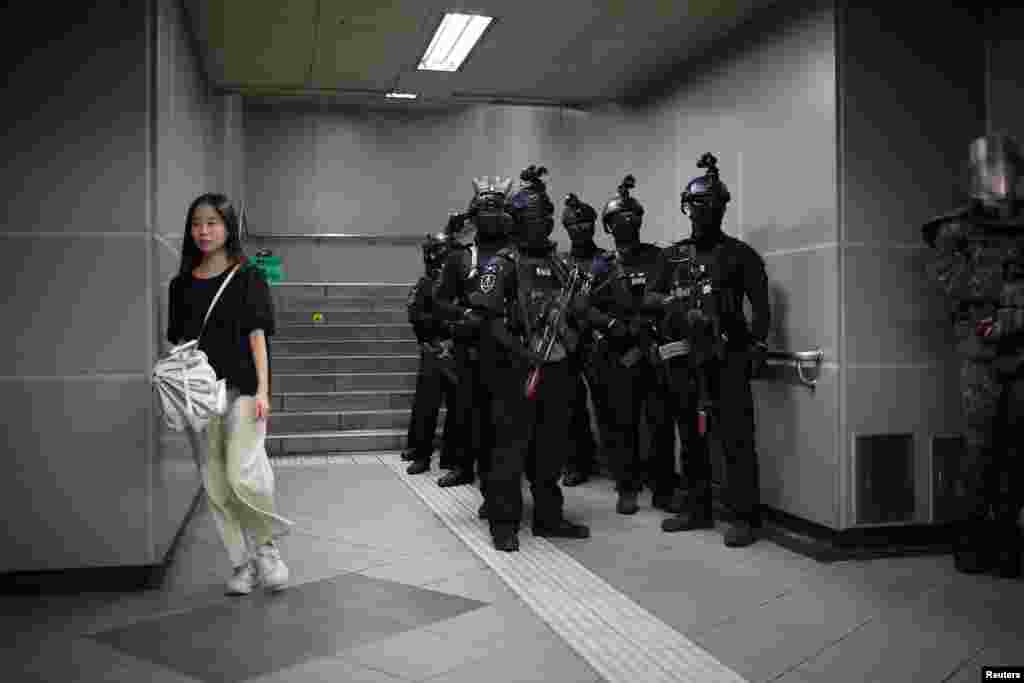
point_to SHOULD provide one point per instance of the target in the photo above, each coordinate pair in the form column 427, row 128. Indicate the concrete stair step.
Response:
column 344, row 316
column 369, row 363
column 341, row 289
column 293, row 303
column 344, row 441
column 343, row 381
column 329, row 401
column 285, row 346
column 337, row 420
column 331, row 332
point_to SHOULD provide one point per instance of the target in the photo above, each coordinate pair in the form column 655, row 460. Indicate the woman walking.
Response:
column 237, row 475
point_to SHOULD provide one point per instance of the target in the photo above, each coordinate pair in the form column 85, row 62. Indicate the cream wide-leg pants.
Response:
column 238, row 478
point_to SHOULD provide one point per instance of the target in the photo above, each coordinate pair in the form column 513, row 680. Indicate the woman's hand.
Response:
column 262, row 405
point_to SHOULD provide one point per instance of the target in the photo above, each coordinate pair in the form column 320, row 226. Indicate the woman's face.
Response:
column 208, row 229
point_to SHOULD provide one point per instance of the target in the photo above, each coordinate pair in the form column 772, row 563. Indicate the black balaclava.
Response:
column 488, row 210
column 623, row 216
column 532, row 209
column 705, row 197
column 435, row 249
column 579, row 220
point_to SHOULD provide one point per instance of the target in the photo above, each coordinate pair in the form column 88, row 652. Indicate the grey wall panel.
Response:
column 766, row 109
column 75, row 305
column 187, row 165
column 176, row 480
column 910, row 106
column 922, row 401
column 74, row 135
column 894, row 311
column 333, row 261
column 77, row 486
column 804, row 291
column 332, row 169
column 281, row 159
column 796, row 450
column 199, row 150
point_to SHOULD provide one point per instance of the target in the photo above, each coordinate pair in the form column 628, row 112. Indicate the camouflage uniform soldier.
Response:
column 980, row 266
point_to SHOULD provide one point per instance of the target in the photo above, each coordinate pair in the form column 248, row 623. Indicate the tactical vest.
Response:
column 980, row 267
column 629, row 277
column 539, row 281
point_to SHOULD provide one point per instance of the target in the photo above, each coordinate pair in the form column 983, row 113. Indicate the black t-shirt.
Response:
column 244, row 306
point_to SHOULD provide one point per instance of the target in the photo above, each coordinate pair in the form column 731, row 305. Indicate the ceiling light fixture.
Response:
column 401, row 95
column 453, row 40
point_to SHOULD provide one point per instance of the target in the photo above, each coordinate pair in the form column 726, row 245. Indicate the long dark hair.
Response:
column 190, row 254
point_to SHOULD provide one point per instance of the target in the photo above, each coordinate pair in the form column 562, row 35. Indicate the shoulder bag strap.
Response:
column 216, row 296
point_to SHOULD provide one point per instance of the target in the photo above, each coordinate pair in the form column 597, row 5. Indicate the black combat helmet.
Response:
column 623, row 208
column 577, row 211
column 706, row 190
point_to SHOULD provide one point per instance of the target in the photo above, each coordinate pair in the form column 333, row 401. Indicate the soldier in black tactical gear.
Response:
column 700, row 283
column 459, row 277
column 436, row 376
column 579, row 220
column 625, row 345
column 980, row 266
column 524, row 296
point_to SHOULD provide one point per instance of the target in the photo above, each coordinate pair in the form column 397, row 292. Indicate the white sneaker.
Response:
column 243, row 580
column 273, row 572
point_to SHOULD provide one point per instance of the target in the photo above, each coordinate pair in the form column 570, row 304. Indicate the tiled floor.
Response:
column 383, row 591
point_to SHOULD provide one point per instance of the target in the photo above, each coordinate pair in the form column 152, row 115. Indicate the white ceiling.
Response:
column 567, row 52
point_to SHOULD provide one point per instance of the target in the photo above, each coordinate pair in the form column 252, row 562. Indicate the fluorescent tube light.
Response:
column 402, row 95
column 453, row 40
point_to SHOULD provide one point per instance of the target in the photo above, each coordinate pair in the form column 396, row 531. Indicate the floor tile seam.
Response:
column 156, row 616
column 831, row 643
column 966, row 662
column 540, row 606
column 479, row 543
column 376, row 669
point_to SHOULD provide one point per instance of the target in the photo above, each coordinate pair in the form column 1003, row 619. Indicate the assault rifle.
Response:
column 576, row 283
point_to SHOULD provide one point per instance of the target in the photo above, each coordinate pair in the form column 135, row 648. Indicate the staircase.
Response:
column 343, row 380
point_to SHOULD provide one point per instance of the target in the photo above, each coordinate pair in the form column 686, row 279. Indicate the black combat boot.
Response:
column 575, row 478
column 698, row 515
column 562, row 529
column 739, row 534
column 505, row 537
column 627, row 504
column 673, row 501
column 409, row 454
column 457, row 477
column 418, row 467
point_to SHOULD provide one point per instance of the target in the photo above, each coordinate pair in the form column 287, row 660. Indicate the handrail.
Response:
column 798, row 358
column 353, row 237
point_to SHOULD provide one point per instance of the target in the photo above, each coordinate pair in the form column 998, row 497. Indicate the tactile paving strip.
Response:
column 619, row 639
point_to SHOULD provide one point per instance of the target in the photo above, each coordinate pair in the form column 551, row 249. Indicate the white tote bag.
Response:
column 190, row 393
